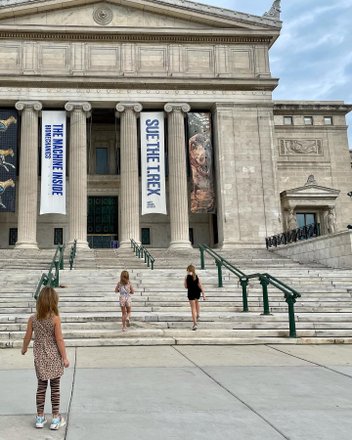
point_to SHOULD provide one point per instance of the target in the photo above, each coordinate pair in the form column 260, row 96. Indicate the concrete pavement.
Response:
column 187, row 392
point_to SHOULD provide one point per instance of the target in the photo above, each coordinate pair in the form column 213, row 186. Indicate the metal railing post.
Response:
column 202, row 263
column 57, row 274
column 61, row 247
column 265, row 282
column 291, row 315
column 244, row 284
column 219, row 266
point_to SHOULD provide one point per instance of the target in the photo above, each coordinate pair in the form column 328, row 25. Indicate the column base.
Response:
column 26, row 245
column 80, row 244
column 180, row 244
column 127, row 244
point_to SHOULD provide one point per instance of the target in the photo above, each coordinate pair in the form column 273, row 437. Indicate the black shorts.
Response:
column 193, row 295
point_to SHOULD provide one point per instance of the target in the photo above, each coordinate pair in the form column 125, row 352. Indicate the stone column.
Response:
column 79, row 111
column 178, row 196
column 28, row 177
column 129, row 180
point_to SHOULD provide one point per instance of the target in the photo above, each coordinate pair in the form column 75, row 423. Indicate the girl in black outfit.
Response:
column 194, row 288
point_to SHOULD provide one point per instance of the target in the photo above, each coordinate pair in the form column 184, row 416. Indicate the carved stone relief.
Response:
column 308, row 147
column 102, row 15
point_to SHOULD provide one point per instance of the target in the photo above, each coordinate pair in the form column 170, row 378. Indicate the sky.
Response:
column 313, row 55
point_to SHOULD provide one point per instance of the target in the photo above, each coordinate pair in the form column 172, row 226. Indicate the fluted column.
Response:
column 79, row 111
column 178, row 196
column 129, row 186
column 28, row 178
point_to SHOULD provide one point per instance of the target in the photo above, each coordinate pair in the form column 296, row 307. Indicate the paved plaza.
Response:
column 189, row 392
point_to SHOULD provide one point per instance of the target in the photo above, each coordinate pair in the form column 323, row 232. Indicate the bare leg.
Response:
column 128, row 315
column 197, row 308
column 124, row 316
column 194, row 311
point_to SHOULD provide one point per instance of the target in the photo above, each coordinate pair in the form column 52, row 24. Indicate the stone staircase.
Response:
column 160, row 313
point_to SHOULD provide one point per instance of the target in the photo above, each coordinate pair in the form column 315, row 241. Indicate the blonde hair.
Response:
column 124, row 277
column 192, row 269
column 47, row 303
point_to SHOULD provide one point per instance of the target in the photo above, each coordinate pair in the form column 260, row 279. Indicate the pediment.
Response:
column 311, row 190
column 180, row 14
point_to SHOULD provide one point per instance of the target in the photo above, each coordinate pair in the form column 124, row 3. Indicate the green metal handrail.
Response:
column 73, row 254
column 52, row 279
column 264, row 278
column 142, row 252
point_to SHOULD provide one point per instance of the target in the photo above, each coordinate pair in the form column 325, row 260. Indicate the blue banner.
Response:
column 8, row 158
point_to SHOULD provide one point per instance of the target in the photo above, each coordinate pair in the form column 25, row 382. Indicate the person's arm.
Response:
column 131, row 289
column 60, row 341
column 117, row 288
column 28, row 336
column 185, row 283
column 201, row 288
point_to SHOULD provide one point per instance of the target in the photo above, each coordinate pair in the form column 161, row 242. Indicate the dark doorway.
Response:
column 102, row 223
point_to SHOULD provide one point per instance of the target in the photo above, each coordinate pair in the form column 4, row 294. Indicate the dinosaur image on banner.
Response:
column 8, row 156
column 200, row 151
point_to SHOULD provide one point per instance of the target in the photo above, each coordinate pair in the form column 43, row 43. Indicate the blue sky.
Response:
column 313, row 55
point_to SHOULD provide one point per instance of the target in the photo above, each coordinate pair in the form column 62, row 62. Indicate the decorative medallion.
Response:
column 102, row 15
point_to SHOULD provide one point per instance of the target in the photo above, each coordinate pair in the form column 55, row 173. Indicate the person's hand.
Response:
column 23, row 351
column 204, row 297
column 66, row 363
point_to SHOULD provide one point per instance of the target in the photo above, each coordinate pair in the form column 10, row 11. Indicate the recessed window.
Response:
column 145, row 235
column 305, row 219
column 101, row 161
column 327, row 120
column 191, row 235
column 12, row 236
column 58, row 236
column 308, row 120
column 288, row 120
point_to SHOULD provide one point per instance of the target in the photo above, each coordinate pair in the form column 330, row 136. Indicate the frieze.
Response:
column 306, row 147
column 108, row 92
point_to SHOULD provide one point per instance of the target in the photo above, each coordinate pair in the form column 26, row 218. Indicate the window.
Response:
column 145, row 235
column 12, row 236
column 308, row 120
column 288, row 120
column 101, row 161
column 305, row 219
column 191, row 236
column 327, row 120
column 58, row 236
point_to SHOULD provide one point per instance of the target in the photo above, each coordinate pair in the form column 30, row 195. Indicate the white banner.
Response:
column 153, row 163
column 53, row 186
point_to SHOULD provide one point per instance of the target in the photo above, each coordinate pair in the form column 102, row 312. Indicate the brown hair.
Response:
column 47, row 303
column 124, row 277
column 192, row 269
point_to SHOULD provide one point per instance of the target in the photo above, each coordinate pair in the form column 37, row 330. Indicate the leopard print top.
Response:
column 47, row 358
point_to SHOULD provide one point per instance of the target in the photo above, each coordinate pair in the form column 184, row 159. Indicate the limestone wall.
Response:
column 329, row 250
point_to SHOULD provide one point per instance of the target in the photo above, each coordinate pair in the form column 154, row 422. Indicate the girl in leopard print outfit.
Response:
column 50, row 356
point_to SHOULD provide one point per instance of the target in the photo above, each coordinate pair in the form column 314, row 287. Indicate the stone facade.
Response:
column 94, row 59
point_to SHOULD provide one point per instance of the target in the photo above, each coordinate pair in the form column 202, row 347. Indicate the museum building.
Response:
column 154, row 120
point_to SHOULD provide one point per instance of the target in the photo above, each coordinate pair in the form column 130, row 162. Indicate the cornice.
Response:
column 300, row 107
column 140, row 36
column 133, row 82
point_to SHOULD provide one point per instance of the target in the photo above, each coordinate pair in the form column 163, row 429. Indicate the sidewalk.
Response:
column 187, row 393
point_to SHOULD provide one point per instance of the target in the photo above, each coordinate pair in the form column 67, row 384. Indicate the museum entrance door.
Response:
column 102, row 222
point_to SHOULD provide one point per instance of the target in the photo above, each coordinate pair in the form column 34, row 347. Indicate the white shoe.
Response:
column 40, row 421
column 57, row 423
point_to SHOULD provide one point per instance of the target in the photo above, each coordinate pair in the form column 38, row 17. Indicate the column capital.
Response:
column 35, row 105
column 123, row 106
column 177, row 107
column 77, row 105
